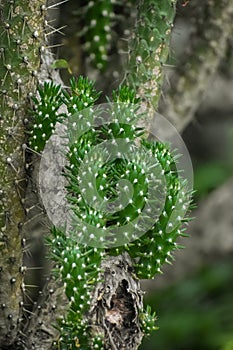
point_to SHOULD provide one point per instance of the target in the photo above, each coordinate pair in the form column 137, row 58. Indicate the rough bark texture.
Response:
column 193, row 76
column 40, row 332
column 116, row 305
column 114, row 312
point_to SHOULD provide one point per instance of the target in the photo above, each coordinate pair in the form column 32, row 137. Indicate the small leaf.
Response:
column 61, row 64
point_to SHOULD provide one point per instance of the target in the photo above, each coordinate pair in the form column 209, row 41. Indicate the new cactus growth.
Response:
column 148, row 321
column 151, row 172
column 45, row 114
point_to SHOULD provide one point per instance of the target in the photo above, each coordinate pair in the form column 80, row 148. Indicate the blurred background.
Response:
column 193, row 298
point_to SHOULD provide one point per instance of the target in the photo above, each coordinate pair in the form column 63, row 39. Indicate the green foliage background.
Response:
column 196, row 313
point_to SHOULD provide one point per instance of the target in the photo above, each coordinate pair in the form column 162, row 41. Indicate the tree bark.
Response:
column 197, row 69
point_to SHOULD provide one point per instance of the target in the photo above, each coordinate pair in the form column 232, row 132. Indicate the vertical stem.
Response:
column 149, row 49
column 22, row 34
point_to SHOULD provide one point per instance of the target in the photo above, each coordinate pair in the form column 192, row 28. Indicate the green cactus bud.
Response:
column 148, row 320
column 45, row 114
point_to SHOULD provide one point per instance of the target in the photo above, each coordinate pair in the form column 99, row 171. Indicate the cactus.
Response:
column 97, row 20
column 148, row 321
column 97, row 30
column 46, row 115
column 21, row 39
column 78, row 267
column 149, row 248
column 81, row 264
column 149, row 48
